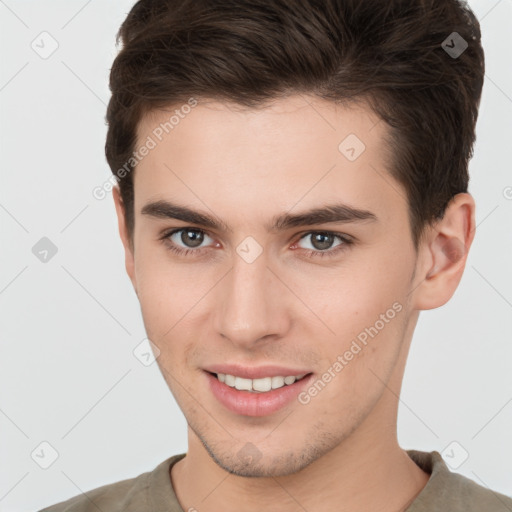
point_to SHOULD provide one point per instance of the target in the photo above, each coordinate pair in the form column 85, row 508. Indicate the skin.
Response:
column 287, row 307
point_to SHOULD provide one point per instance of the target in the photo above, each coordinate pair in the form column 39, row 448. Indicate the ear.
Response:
column 442, row 254
column 129, row 259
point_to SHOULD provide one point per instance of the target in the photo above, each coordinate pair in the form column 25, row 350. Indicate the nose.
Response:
column 253, row 305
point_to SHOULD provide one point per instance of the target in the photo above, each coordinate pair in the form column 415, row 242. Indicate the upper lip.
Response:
column 255, row 372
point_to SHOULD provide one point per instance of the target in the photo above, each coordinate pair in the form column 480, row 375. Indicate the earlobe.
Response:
column 443, row 254
column 123, row 233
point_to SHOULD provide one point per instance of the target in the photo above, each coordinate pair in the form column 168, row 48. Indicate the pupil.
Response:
column 323, row 239
column 197, row 238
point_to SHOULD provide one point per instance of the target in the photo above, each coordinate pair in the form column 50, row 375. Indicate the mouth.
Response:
column 261, row 396
column 261, row 385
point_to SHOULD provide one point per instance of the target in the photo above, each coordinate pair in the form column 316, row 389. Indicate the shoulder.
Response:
column 447, row 490
column 468, row 495
column 118, row 496
column 130, row 495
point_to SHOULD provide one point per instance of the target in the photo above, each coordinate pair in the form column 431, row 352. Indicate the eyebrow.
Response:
column 163, row 209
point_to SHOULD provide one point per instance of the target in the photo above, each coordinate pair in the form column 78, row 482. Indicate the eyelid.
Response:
column 346, row 240
column 343, row 236
column 298, row 236
column 168, row 234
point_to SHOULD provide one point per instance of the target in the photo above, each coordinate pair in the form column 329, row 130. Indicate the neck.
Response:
column 353, row 477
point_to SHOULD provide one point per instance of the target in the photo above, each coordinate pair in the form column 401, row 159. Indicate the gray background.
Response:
column 68, row 374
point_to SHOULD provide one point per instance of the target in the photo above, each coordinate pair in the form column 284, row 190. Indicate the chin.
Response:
column 250, row 461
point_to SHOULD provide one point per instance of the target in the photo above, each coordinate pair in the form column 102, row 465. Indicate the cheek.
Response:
column 173, row 299
column 355, row 366
column 166, row 291
column 361, row 310
column 353, row 296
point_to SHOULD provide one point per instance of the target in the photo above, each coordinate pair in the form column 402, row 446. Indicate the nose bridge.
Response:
column 251, row 304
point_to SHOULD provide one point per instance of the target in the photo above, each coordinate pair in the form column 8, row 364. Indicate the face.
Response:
column 260, row 288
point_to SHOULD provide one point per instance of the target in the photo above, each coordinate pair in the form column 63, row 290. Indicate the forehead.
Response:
column 296, row 149
column 294, row 116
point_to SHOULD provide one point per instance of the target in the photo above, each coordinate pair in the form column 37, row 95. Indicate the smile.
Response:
column 256, row 397
column 261, row 385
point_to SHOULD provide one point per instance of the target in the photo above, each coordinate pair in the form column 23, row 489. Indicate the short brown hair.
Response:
column 387, row 53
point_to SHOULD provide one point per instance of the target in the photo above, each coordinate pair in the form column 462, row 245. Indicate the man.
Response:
column 292, row 192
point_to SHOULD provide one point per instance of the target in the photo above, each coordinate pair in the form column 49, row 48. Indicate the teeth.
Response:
column 258, row 385
column 243, row 384
column 264, row 384
column 277, row 382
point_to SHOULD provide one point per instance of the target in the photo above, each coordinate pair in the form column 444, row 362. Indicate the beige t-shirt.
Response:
column 445, row 491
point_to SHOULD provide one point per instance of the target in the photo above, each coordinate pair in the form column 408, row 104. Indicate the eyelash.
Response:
column 346, row 242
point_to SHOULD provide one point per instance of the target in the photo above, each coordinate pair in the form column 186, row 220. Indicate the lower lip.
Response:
column 255, row 404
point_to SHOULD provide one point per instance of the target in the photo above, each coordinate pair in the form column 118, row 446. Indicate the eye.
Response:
column 322, row 242
column 191, row 238
column 188, row 242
